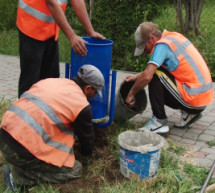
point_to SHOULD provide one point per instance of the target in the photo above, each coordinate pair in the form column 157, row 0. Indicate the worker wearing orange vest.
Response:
column 39, row 22
column 38, row 131
column 177, row 76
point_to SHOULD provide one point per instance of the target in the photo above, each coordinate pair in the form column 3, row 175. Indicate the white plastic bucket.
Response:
column 139, row 153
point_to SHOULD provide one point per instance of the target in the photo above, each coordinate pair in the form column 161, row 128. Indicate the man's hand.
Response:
column 130, row 77
column 78, row 45
column 130, row 101
column 97, row 35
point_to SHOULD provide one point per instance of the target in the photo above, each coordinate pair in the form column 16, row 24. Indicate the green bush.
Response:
column 117, row 20
column 8, row 14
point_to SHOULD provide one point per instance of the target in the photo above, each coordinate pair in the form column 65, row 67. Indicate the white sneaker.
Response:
column 187, row 119
column 156, row 125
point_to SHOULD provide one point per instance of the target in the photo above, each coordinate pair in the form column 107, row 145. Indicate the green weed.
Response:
column 4, row 104
column 211, row 143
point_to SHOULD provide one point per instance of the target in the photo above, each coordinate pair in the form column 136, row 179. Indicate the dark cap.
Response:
column 92, row 76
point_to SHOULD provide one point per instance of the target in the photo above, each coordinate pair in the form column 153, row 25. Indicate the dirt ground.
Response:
column 102, row 167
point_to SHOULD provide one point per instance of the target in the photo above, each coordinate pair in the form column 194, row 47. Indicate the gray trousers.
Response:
column 31, row 172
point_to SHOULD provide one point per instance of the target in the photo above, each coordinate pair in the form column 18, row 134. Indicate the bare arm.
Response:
column 60, row 17
column 131, row 77
column 76, row 42
column 81, row 12
column 142, row 80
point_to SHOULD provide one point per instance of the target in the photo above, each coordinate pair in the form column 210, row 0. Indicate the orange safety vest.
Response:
column 41, row 120
column 35, row 20
column 192, row 75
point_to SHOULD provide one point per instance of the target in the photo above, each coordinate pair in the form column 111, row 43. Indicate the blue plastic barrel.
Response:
column 100, row 55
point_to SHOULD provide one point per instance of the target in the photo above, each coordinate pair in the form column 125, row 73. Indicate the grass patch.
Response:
column 64, row 48
column 177, row 149
column 211, row 143
column 9, row 42
column 4, row 104
column 101, row 171
column 204, row 41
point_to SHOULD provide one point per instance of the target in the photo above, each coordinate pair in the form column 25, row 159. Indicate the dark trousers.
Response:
column 38, row 60
column 160, row 95
column 29, row 172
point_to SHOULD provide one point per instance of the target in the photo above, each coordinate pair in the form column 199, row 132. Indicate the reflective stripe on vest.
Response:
column 33, row 12
column 42, row 29
column 192, row 75
column 39, row 129
column 181, row 51
column 42, row 120
column 51, row 114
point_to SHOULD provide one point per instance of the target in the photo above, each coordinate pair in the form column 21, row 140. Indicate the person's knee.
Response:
column 77, row 169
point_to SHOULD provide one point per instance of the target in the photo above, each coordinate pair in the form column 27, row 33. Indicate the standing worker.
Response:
column 176, row 75
column 39, row 22
column 38, row 130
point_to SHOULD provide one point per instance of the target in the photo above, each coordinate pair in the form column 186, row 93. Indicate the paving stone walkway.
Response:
column 196, row 138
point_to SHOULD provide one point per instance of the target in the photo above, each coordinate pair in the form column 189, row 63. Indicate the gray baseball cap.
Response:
column 92, row 76
column 142, row 34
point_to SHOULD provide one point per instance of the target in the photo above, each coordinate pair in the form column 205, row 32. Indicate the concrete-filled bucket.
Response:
column 139, row 154
column 122, row 112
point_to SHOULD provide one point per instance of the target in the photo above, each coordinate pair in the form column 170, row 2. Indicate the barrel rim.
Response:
column 108, row 42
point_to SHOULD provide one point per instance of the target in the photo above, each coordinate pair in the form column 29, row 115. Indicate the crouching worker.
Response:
column 38, row 130
column 177, row 76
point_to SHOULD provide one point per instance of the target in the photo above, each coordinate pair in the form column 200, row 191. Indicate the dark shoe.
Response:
column 8, row 179
column 187, row 119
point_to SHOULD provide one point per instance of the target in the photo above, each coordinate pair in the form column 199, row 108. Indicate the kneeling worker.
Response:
column 38, row 130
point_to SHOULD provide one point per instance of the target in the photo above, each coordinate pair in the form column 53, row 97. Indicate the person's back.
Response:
column 38, row 130
column 192, row 74
column 49, row 114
